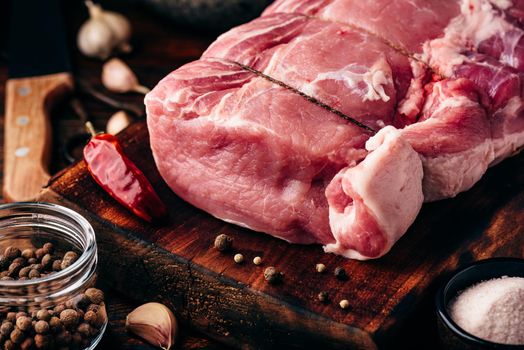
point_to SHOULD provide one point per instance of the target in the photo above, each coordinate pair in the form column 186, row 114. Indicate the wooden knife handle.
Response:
column 27, row 130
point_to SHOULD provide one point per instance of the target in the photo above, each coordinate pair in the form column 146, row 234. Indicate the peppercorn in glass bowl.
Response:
column 48, row 262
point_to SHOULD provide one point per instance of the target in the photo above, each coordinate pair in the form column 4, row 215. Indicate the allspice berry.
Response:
column 27, row 344
column 6, row 328
column 84, row 329
column 13, row 270
column 34, row 274
column 54, row 324
column 272, row 275
column 69, row 258
column 42, row 341
column 42, row 327
column 223, row 242
column 39, row 253
column 24, row 272
column 63, row 338
column 58, row 309
column 28, row 254
column 43, row 315
column 69, row 318
column 57, row 265
column 91, row 317
column 17, row 336
column 12, row 253
column 11, row 317
column 24, row 323
column 9, row 345
column 47, row 260
column 48, row 248
column 95, row 295
column 4, row 262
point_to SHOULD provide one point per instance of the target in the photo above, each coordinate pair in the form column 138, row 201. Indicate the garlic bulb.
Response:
column 118, row 77
column 118, row 122
column 154, row 323
column 103, row 33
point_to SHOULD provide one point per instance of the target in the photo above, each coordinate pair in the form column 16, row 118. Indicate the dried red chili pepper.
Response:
column 121, row 178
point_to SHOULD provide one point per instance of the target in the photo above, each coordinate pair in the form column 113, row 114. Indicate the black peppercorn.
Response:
column 340, row 273
column 323, row 297
column 272, row 275
column 223, row 242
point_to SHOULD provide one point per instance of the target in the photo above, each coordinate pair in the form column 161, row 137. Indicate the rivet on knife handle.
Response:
column 28, row 139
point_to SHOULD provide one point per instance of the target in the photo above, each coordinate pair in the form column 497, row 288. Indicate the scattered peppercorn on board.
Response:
column 389, row 300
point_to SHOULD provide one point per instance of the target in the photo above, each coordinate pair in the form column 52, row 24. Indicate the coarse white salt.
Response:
column 492, row 310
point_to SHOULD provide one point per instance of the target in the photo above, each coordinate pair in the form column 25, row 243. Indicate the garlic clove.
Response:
column 154, row 323
column 118, row 122
column 92, row 40
column 118, row 77
column 103, row 33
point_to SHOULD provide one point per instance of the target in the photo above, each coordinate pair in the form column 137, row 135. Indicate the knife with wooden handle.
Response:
column 38, row 78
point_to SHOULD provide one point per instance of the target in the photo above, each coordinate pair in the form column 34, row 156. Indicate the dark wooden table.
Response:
column 159, row 48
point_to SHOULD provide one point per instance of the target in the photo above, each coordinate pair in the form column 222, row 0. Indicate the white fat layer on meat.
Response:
column 389, row 181
column 502, row 4
column 510, row 142
column 507, row 146
column 352, row 75
column 251, row 33
column 453, row 102
column 477, row 22
column 450, row 174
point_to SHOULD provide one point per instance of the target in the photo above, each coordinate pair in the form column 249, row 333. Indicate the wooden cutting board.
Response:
column 390, row 299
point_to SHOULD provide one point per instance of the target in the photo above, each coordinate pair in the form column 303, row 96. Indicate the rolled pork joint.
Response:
column 329, row 122
column 371, row 205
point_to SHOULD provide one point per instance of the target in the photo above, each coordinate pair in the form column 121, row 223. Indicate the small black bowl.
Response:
column 451, row 335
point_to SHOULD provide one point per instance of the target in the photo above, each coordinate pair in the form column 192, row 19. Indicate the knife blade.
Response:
column 39, row 76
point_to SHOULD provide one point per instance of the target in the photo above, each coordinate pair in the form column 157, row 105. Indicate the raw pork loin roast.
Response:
column 332, row 121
